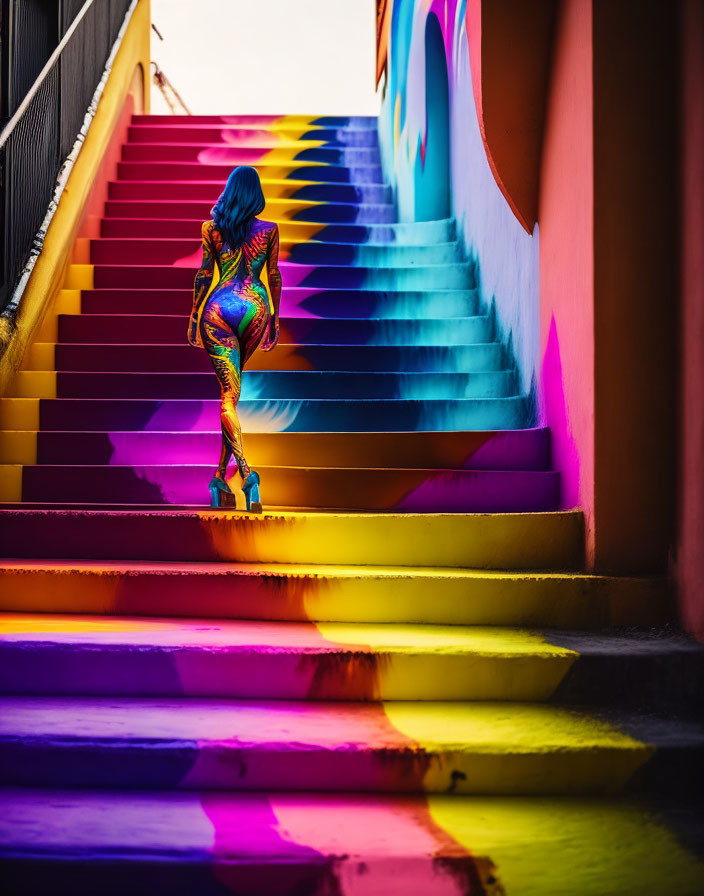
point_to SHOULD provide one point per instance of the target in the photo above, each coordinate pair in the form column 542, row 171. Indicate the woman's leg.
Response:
column 226, row 361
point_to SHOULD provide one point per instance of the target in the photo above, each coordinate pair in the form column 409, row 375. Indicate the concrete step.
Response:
column 272, row 415
column 520, row 449
column 412, row 491
column 304, row 593
column 281, row 189
column 270, row 122
column 250, row 134
column 161, row 657
column 166, row 358
column 161, row 251
column 409, row 234
column 276, row 164
column 394, row 746
column 266, row 384
column 262, row 150
column 508, row 541
column 301, row 330
column 184, row 842
column 300, row 302
column 179, row 275
column 278, row 210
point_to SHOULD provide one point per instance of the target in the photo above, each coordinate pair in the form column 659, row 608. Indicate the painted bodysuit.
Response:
column 230, row 320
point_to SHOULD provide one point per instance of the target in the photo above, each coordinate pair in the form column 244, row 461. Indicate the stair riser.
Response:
column 273, row 122
column 254, row 150
column 117, row 415
column 275, row 190
column 518, row 450
column 172, row 330
column 507, row 541
column 110, row 670
column 412, row 491
column 158, row 251
column 300, row 302
column 183, row 227
column 226, row 765
column 321, row 595
column 281, row 211
column 182, row 358
column 244, row 136
column 290, row 168
column 181, row 274
column 289, row 384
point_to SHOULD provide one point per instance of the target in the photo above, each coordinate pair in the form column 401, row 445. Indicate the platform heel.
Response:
column 250, row 487
column 221, row 495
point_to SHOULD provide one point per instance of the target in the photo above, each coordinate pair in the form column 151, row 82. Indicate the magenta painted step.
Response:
column 413, row 491
column 297, row 301
column 183, row 359
column 520, row 449
column 322, row 212
column 223, row 153
column 184, row 843
column 172, row 329
column 208, row 191
column 312, row 172
column 250, row 134
column 180, row 275
column 282, row 384
column 345, row 122
column 142, row 657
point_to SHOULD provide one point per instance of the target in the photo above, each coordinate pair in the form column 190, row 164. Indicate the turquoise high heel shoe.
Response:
column 250, row 487
column 221, row 495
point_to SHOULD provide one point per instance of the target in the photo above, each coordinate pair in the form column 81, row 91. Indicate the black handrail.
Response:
column 45, row 95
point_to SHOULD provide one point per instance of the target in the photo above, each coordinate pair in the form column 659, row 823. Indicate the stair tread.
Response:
column 287, row 637
column 404, row 842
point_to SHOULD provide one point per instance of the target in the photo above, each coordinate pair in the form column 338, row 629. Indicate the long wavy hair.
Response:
column 240, row 202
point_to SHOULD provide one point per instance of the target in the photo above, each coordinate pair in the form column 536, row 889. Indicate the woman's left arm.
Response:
column 271, row 335
column 201, row 284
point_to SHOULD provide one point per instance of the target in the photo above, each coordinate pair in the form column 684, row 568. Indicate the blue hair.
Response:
column 240, row 201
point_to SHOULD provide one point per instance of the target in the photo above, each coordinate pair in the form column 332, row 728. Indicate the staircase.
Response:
column 398, row 679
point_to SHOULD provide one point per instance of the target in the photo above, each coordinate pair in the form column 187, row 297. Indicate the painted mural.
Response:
column 434, row 158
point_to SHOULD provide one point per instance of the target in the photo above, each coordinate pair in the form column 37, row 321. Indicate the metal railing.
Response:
column 48, row 97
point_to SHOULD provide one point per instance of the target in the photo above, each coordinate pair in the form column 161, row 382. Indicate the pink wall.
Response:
column 690, row 546
column 566, row 222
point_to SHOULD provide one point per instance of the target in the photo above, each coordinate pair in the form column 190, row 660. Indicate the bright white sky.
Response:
column 267, row 56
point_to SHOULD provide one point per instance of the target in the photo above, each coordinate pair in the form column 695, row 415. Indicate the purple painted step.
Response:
column 520, row 449
column 413, row 491
column 183, row 843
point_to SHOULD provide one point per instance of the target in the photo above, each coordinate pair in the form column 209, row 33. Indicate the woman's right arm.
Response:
column 201, row 284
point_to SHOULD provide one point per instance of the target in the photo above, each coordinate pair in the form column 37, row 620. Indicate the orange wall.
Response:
column 690, row 545
column 566, row 223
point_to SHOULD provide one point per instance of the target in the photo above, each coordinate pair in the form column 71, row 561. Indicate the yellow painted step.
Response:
column 349, row 660
column 567, row 846
column 551, row 540
column 331, row 593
